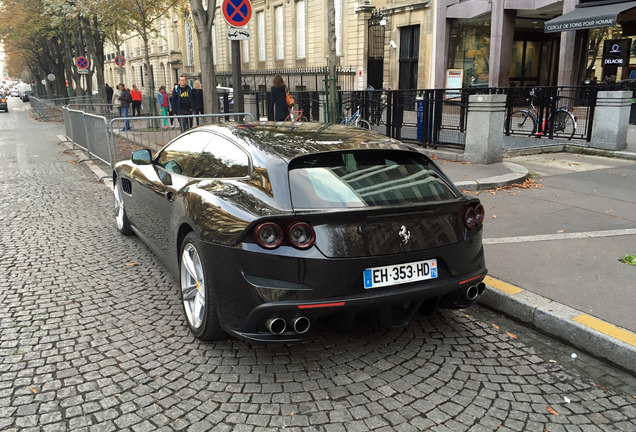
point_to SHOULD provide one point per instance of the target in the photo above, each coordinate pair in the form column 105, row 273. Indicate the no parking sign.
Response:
column 237, row 13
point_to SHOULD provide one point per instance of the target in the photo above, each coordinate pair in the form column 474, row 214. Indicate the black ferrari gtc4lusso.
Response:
column 273, row 227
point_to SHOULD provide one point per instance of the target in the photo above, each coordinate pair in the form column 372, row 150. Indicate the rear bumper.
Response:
column 252, row 286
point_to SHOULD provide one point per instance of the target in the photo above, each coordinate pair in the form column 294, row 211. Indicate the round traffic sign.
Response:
column 237, row 13
column 120, row 60
column 81, row 62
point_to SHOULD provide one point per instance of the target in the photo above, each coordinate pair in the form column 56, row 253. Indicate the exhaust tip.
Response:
column 472, row 292
column 301, row 325
column 481, row 287
column 276, row 325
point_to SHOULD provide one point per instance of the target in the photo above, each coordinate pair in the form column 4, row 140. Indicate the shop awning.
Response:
column 588, row 17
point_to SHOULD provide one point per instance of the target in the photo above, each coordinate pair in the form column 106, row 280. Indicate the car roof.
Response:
column 289, row 140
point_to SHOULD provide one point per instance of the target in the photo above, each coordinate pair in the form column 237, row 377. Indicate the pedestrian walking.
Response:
column 197, row 99
column 278, row 103
column 136, row 101
column 171, row 111
column 126, row 100
column 115, row 100
column 163, row 102
column 182, row 103
column 109, row 96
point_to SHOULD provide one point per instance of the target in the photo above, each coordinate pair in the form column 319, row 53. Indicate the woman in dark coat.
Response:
column 279, row 99
column 197, row 99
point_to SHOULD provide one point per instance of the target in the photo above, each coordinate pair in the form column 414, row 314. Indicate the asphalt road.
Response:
column 573, row 195
column 92, row 337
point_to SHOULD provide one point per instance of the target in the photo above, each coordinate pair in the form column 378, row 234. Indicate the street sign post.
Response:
column 237, row 13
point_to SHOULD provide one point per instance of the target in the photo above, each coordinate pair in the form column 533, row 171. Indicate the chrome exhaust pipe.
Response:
column 276, row 325
column 481, row 287
column 301, row 325
column 472, row 293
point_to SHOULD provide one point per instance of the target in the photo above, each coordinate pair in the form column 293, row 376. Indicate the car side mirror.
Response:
column 142, row 157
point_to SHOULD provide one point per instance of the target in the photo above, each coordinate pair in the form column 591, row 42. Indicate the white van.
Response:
column 23, row 88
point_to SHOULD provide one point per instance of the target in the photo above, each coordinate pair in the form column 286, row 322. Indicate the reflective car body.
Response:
column 3, row 104
column 276, row 226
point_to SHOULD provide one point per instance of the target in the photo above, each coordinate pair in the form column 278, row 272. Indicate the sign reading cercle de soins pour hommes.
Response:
column 237, row 13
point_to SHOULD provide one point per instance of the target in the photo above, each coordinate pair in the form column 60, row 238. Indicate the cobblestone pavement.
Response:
column 92, row 338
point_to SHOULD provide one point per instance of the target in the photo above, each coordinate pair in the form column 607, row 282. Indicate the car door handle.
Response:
column 168, row 195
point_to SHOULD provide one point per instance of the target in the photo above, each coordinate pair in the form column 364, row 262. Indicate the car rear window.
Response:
column 364, row 178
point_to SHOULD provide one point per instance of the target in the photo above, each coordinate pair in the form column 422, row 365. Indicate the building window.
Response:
column 189, row 44
column 260, row 22
column 164, row 37
column 300, row 29
column 409, row 57
column 337, row 4
column 214, row 44
column 246, row 51
column 280, row 33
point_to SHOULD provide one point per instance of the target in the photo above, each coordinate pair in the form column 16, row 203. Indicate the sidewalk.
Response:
column 538, row 278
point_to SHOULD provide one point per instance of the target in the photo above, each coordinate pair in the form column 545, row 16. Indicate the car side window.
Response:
column 180, row 156
column 221, row 159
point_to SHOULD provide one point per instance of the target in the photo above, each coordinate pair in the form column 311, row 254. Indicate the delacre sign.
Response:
column 237, row 13
column 616, row 52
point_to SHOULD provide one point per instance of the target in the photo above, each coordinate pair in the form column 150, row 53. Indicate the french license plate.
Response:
column 400, row 273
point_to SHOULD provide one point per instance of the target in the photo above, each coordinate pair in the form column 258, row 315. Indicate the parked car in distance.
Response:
column 14, row 93
column 26, row 96
column 272, row 229
column 4, row 106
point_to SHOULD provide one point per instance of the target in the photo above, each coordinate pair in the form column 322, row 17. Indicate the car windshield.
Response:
column 364, row 179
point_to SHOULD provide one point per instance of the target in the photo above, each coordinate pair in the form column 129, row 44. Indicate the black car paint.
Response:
column 252, row 283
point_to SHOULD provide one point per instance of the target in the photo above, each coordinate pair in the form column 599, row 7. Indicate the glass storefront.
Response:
column 534, row 56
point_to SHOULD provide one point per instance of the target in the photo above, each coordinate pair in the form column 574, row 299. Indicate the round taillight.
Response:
column 268, row 235
column 301, row 235
column 479, row 214
column 469, row 217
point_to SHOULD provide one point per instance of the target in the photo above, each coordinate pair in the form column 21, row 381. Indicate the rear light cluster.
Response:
column 473, row 216
column 270, row 235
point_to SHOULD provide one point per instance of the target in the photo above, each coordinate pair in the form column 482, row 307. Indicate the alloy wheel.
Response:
column 193, row 286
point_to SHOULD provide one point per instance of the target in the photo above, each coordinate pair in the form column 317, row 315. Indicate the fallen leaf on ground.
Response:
column 433, row 156
column 560, row 231
column 602, row 387
column 514, row 336
column 495, row 326
column 33, row 390
column 552, row 411
column 132, row 264
column 494, row 216
column 609, row 211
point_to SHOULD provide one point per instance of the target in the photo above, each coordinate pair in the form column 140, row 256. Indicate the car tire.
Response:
column 123, row 224
column 197, row 291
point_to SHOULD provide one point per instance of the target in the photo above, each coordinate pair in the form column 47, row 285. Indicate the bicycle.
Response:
column 356, row 120
column 296, row 116
column 525, row 121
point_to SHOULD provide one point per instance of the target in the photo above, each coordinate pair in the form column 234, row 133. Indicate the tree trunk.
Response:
column 331, row 84
column 152, row 98
column 203, row 20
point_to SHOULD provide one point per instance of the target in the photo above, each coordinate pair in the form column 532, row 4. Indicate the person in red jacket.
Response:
column 136, row 100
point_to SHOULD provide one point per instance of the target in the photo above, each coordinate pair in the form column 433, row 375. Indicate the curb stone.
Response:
column 556, row 320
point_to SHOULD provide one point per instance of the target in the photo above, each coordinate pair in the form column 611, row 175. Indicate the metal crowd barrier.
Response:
column 90, row 133
column 38, row 107
column 150, row 132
